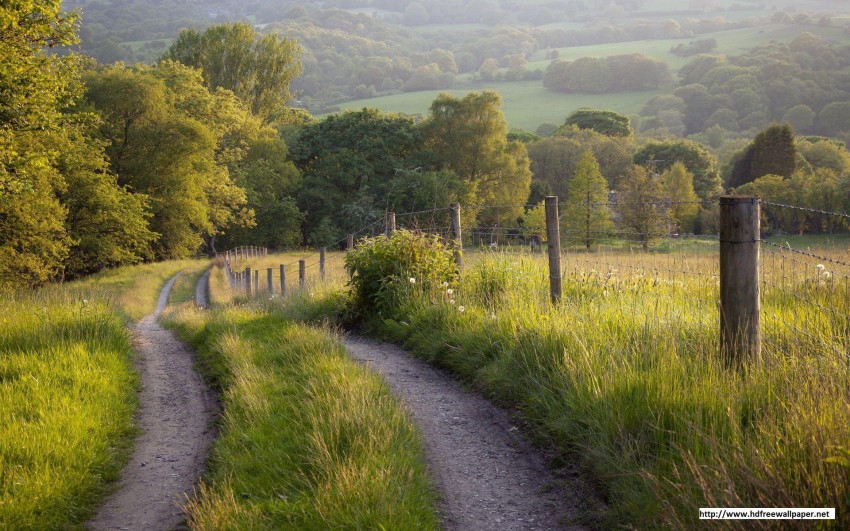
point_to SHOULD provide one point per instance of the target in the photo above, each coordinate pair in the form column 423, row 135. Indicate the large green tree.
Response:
column 165, row 145
column 469, row 137
column 258, row 69
column 772, row 152
column 34, row 86
column 684, row 206
column 586, row 215
column 350, row 159
column 61, row 210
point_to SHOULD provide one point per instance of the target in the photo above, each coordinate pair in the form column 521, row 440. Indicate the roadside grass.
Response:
column 308, row 439
column 624, row 378
column 68, row 393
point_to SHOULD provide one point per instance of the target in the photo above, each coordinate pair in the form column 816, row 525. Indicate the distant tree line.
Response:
column 615, row 73
column 803, row 83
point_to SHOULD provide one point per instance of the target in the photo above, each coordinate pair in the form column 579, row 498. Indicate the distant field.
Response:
column 527, row 104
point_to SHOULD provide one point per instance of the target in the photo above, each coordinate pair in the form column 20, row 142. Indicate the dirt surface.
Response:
column 202, row 290
column 488, row 475
column 175, row 419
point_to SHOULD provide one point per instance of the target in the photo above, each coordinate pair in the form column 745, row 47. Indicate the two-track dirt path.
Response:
column 488, row 475
column 175, row 419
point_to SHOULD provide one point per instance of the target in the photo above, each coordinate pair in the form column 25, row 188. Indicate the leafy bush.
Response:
column 385, row 272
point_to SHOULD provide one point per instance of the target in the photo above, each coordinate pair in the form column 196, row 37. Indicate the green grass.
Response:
column 309, row 439
column 625, row 380
column 68, row 393
column 184, row 286
column 526, row 104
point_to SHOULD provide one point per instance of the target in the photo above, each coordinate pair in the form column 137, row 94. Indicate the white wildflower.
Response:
column 412, row 280
column 445, row 284
column 461, row 309
column 827, row 274
column 450, row 291
column 451, row 301
column 820, row 267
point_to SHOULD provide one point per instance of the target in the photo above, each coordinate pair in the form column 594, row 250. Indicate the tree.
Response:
column 534, row 221
column 34, row 87
column 696, row 159
column 233, row 56
column 469, row 136
column 834, row 118
column 640, row 202
column 772, row 151
column 608, row 123
column 586, row 215
column 684, row 208
column 159, row 146
column 350, row 157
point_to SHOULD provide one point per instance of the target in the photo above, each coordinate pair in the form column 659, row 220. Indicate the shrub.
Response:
column 386, row 272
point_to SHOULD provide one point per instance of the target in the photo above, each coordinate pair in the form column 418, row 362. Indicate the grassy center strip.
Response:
column 309, row 439
column 68, row 392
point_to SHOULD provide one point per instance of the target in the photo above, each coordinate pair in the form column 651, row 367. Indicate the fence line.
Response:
column 795, row 295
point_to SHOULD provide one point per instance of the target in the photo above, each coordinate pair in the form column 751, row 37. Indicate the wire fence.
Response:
column 656, row 276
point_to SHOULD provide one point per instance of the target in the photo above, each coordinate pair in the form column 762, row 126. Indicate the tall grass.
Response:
column 625, row 379
column 68, row 393
column 309, row 439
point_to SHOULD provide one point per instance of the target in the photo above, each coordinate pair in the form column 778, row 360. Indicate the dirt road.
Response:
column 175, row 419
column 489, row 477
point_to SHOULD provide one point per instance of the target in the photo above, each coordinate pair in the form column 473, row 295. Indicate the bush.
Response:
column 386, row 272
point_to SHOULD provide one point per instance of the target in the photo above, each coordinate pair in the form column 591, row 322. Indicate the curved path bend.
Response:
column 488, row 475
column 175, row 419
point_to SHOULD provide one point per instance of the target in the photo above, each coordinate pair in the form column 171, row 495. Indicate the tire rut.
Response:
column 175, row 420
column 488, row 475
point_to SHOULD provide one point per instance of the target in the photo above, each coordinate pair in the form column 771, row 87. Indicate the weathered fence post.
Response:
column 256, row 282
column 349, row 242
column 390, row 224
column 302, row 270
column 269, row 282
column 322, row 262
column 282, row 280
column 740, row 249
column 456, row 235
column 248, row 281
column 553, row 241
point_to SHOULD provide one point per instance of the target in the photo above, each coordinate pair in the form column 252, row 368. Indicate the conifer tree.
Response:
column 586, row 215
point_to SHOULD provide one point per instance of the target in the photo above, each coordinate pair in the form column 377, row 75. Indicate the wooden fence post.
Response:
column 390, row 224
column 248, row 281
column 282, row 280
column 456, row 235
column 740, row 250
column 553, row 241
column 322, row 263
column 256, row 282
column 269, row 282
column 302, row 270
column 349, row 242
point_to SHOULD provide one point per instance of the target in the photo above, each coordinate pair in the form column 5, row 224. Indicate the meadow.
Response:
column 624, row 377
column 68, row 392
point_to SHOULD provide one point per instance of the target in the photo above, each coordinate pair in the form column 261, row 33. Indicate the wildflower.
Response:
column 412, row 280
column 85, row 302
column 820, row 267
column 451, row 301
column 445, row 284
column 461, row 309
column 492, row 315
column 450, row 291
column 827, row 274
